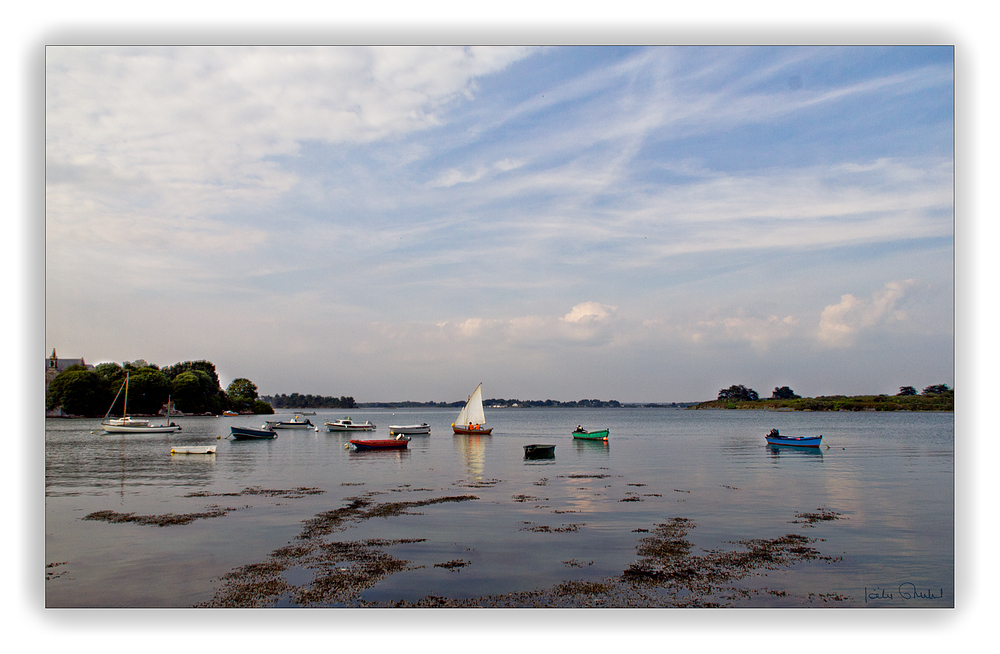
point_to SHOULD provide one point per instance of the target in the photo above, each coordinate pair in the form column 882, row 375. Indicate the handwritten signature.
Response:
column 905, row 591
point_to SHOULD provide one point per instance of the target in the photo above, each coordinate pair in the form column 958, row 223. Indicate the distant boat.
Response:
column 129, row 425
column 346, row 424
column 398, row 443
column 774, row 438
column 598, row 435
column 193, row 449
column 539, row 451
column 471, row 418
column 295, row 423
column 231, row 414
column 410, row 429
column 248, row 434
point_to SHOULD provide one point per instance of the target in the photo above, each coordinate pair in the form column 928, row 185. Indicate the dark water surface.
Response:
column 884, row 481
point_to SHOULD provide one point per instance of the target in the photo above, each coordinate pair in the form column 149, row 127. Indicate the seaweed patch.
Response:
column 165, row 520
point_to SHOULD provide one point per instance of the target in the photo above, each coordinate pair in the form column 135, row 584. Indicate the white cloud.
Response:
column 841, row 323
column 190, row 131
column 761, row 332
column 587, row 312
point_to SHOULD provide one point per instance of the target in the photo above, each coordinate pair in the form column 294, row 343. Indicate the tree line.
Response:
column 191, row 386
column 937, row 397
column 299, row 401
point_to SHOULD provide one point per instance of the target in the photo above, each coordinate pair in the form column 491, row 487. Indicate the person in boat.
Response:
column 774, row 432
column 579, row 428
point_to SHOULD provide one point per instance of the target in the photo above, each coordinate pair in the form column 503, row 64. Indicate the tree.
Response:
column 261, row 407
column 937, row 389
column 112, row 373
column 738, row 393
column 79, row 392
column 148, row 390
column 784, row 393
column 241, row 394
column 242, row 388
column 906, row 390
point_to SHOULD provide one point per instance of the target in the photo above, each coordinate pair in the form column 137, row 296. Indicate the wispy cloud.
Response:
column 526, row 209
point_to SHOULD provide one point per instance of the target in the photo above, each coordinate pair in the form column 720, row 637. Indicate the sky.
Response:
column 645, row 224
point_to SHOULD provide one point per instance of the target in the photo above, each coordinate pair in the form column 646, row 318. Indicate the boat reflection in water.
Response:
column 473, row 451
column 581, row 446
column 787, row 451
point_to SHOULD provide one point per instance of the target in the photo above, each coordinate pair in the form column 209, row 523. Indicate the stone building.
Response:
column 54, row 365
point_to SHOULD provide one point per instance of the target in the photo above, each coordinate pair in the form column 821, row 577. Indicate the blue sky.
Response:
column 631, row 223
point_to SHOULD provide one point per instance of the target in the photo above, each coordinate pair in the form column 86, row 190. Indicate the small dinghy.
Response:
column 774, row 438
column 398, row 443
column 250, row 434
column 598, row 435
column 295, row 423
column 346, row 424
column 539, row 451
column 193, row 449
column 471, row 419
column 410, row 429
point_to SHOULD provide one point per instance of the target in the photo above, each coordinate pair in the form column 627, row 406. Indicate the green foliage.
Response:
column 192, row 385
column 783, row 393
column 196, row 387
column 937, row 389
column 738, row 393
column 148, row 390
column 906, row 390
column 242, row 388
column 79, row 392
column 944, row 401
column 261, row 407
column 298, row 401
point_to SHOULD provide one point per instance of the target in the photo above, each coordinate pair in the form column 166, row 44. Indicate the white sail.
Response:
column 472, row 412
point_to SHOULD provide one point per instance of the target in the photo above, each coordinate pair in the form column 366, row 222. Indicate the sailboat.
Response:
column 471, row 418
column 129, row 425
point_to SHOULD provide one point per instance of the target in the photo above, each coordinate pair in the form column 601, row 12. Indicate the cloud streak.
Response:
column 518, row 210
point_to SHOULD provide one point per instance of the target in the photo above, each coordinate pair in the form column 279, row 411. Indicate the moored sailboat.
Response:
column 129, row 425
column 471, row 419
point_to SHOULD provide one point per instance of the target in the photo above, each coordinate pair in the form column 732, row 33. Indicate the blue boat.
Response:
column 774, row 438
column 248, row 434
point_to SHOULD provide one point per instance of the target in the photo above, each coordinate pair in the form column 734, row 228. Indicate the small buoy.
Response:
column 218, row 437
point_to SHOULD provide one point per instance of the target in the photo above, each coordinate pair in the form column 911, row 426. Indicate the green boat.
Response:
column 583, row 434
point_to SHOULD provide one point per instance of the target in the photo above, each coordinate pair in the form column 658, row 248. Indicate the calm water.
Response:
column 890, row 477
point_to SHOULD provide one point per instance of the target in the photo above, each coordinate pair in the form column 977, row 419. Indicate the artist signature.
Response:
column 905, row 591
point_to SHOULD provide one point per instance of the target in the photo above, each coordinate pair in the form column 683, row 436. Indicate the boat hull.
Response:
column 539, row 451
column 482, row 431
column 247, row 434
column 410, row 429
column 388, row 444
column 193, row 449
column 140, row 429
column 802, row 441
column 599, row 435
column 292, row 425
column 362, row 427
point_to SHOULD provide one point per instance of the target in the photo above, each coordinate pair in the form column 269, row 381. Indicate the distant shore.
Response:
column 938, row 402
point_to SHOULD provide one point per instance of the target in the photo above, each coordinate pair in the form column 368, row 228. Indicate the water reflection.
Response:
column 397, row 455
column 810, row 453
column 472, row 449
column 587, row 446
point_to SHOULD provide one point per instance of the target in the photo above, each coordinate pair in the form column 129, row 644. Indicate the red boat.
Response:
column 386, row 444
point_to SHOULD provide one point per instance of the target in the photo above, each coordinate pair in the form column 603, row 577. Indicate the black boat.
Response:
column 538, row 451
column 248, row 434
